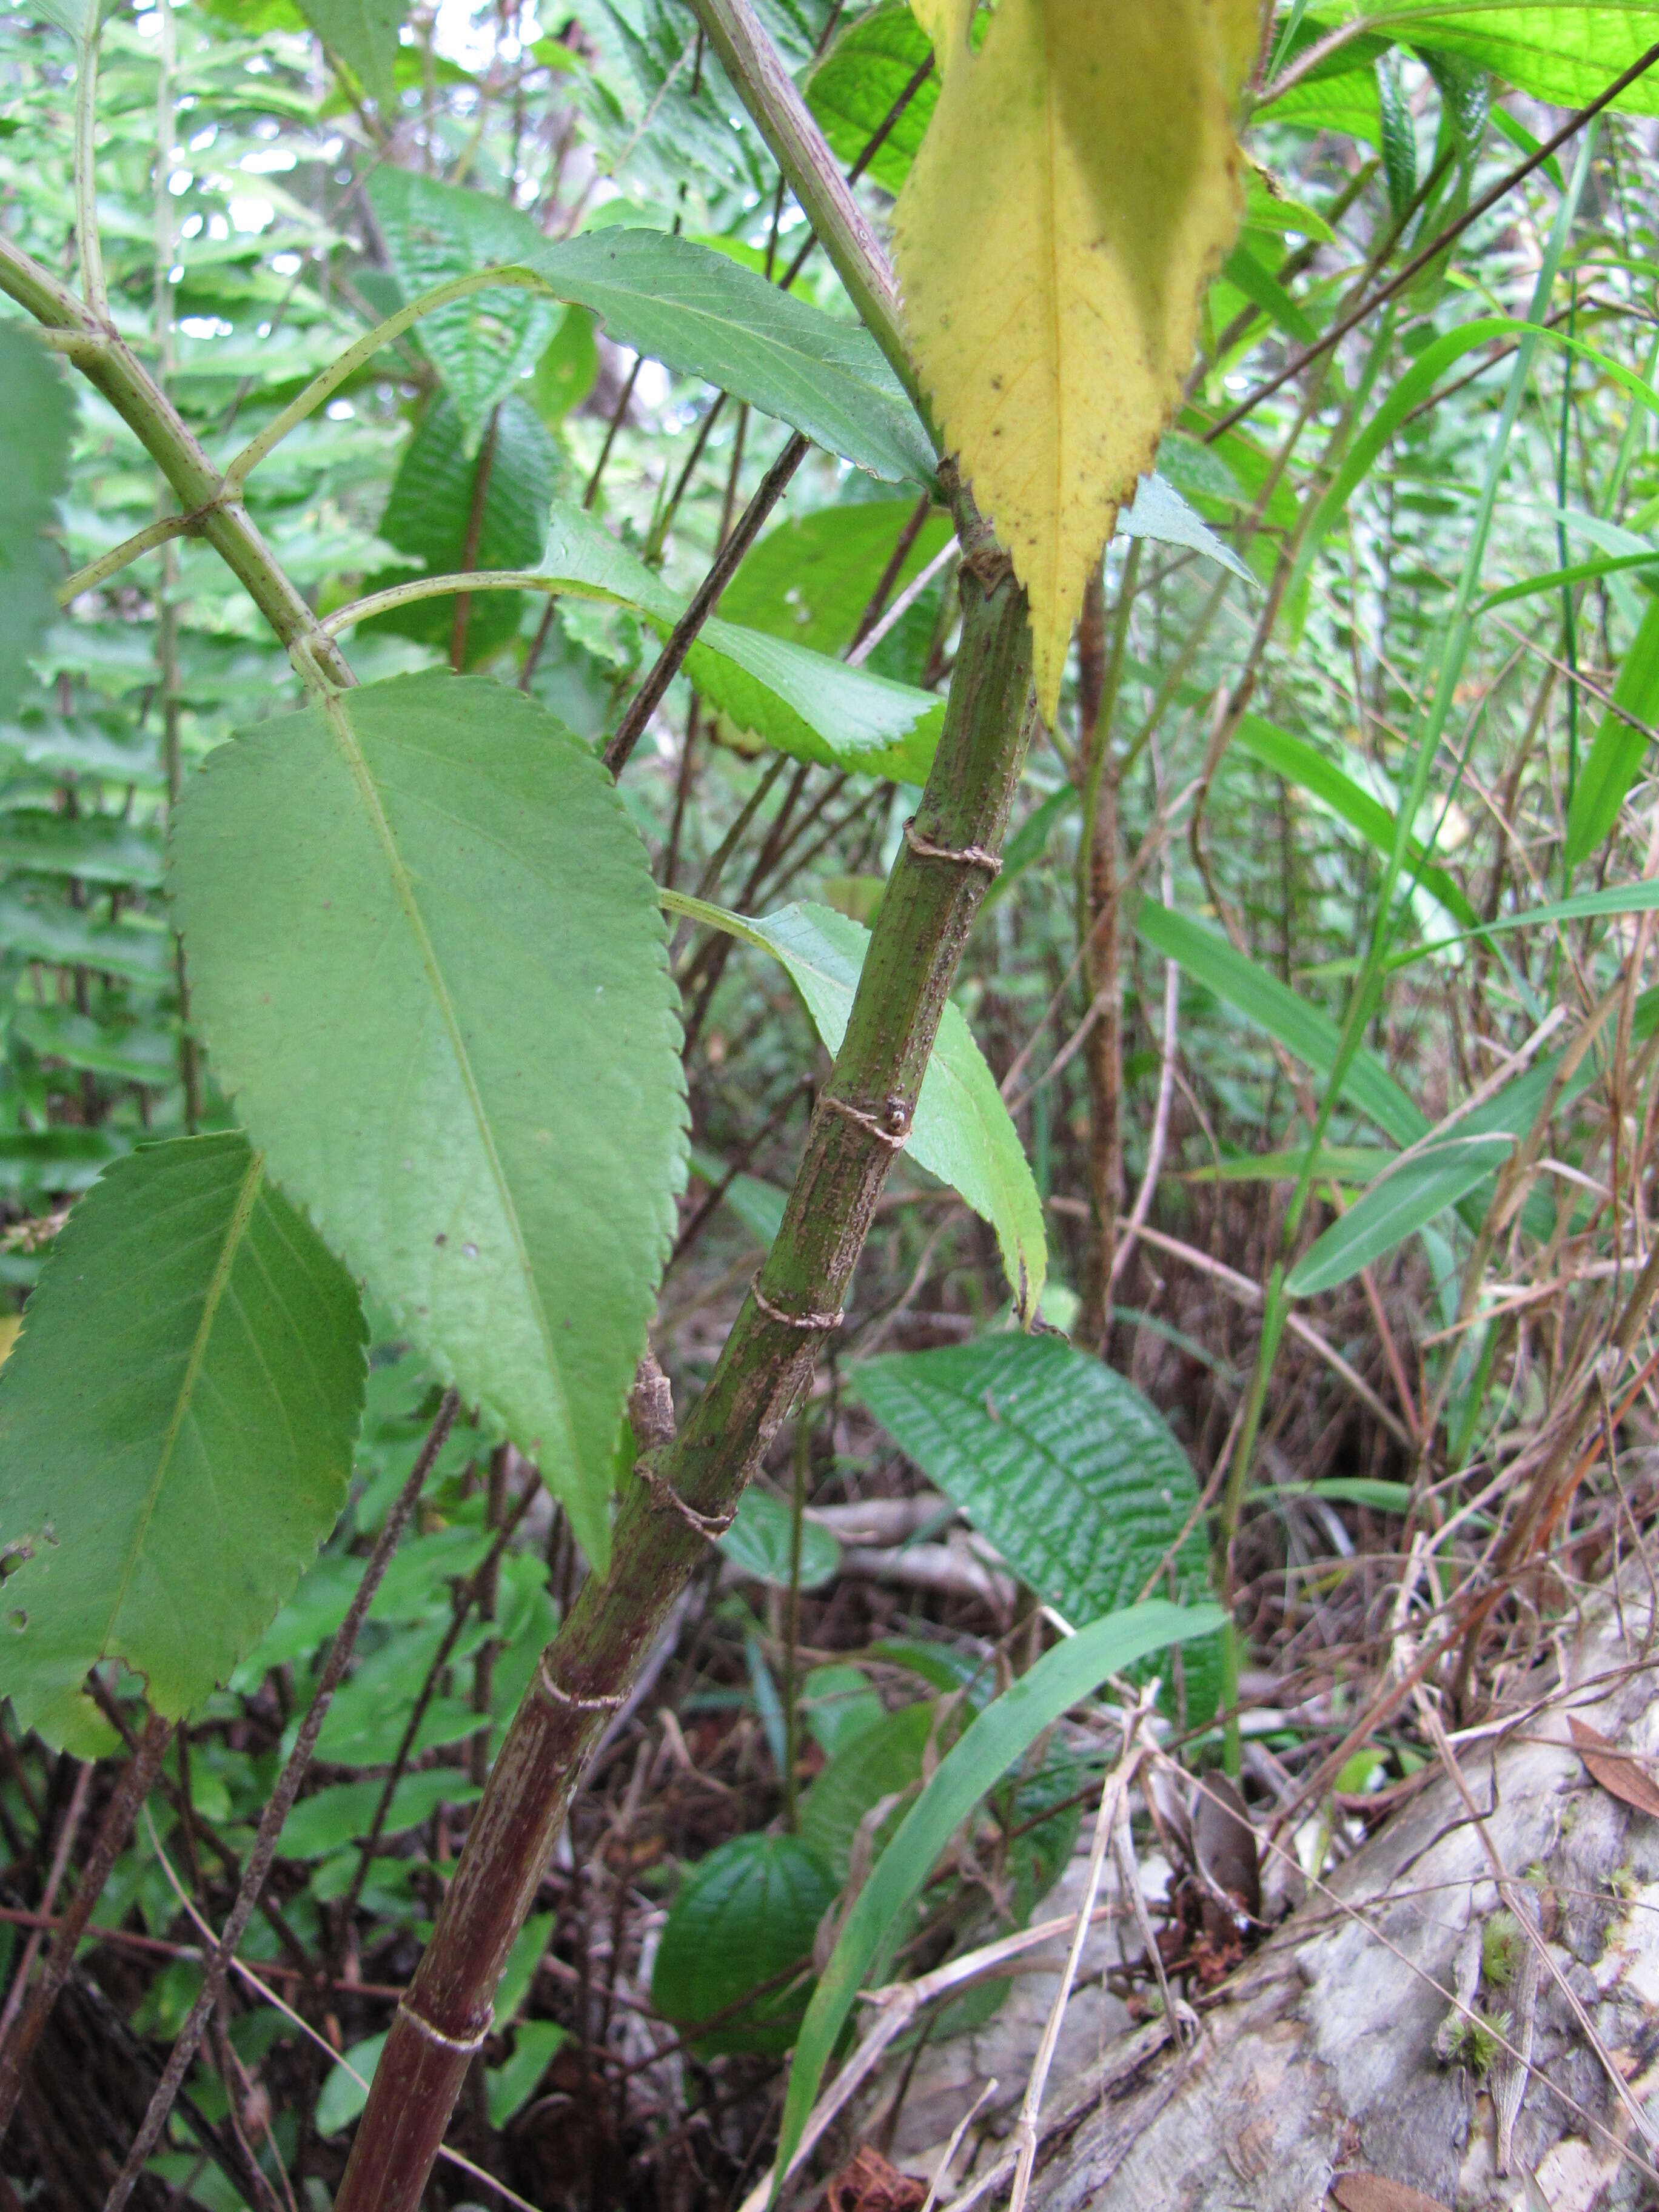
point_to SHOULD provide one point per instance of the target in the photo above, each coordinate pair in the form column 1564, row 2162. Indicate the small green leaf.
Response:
column 996, row 1741
column 1074, row 1477
column 853, row 90
column 527, row 1953
column 837, row 1704
column 427, row 958
column 1158, row 511
column 320, row 1824
column 564, row 374
column 811, row 578
column 36, row 417
column 757, row 1542
column 962, row 1132
column 1616, row 756
column 363, row 34
column 509, row 2088
column 176, row 1424
column 746, row 1915
column 346, row 2090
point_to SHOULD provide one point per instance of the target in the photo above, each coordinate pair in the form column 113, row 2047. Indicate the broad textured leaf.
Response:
column 962, row 1132
column 703, row 315
column 176, row 1426
column 856, row 86
column 1399, row 134
column 803, row 703
column 1060, row 1461
column 427, row 961
column 1000, row 1736
column 759, row 1540
column 36, row 414
column 747, row 1912
column 1078, row 186
column 880, row 1761
column 1617, row 754
column 481, row 345
column 429, row 513
column 363, row 33
column 1556, row 50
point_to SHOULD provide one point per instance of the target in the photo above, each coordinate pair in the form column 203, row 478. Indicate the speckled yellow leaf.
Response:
column 1078, row 186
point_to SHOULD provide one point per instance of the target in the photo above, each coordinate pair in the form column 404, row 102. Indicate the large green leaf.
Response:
column 428, row 960
column 961, row 1132
column 1559, row 51
column 1060, row 1461
column 429, row 514
column 176, row 1424
column 1000, row 1736
column 363, row 33
column 482, row 343
column 704, row 315
column 36, row 413
column 1617, row 754
column 801, row 702
column 746, row 1914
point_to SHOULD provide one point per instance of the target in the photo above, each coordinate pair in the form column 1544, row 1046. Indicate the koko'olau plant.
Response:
column 448, row 631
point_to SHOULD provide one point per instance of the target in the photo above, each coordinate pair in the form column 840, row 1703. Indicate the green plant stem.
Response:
column 691, row 1486
column 86, row 172
column 109, row 365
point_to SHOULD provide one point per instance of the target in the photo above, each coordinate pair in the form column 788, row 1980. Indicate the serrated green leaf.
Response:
column 747, row 1913
column 36, row 415
column 482, row 343
column 99, row 848
column 363, row 33
column 702, row 315
column 758, row 1542
column 176, row 1424
column 999, row 1738
column 961, row 1131
column 802, row 703
column 1158, row 511
column 1073, row 1476
column 1560, row 50
column 426, row 958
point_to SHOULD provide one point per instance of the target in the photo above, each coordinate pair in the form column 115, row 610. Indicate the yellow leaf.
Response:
column 1077, row 188
column 946, row 22
column 9, row 1325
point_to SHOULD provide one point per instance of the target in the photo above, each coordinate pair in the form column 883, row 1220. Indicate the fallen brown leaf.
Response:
column 1372, row 2192
column 869, row 2183
column 1617, row 1772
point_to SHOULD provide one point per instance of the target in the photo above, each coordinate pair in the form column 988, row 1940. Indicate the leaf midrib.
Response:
column 336, row 714
column 235, row 1229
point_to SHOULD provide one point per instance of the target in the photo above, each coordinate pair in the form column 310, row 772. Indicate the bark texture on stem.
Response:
column 694, row 1483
